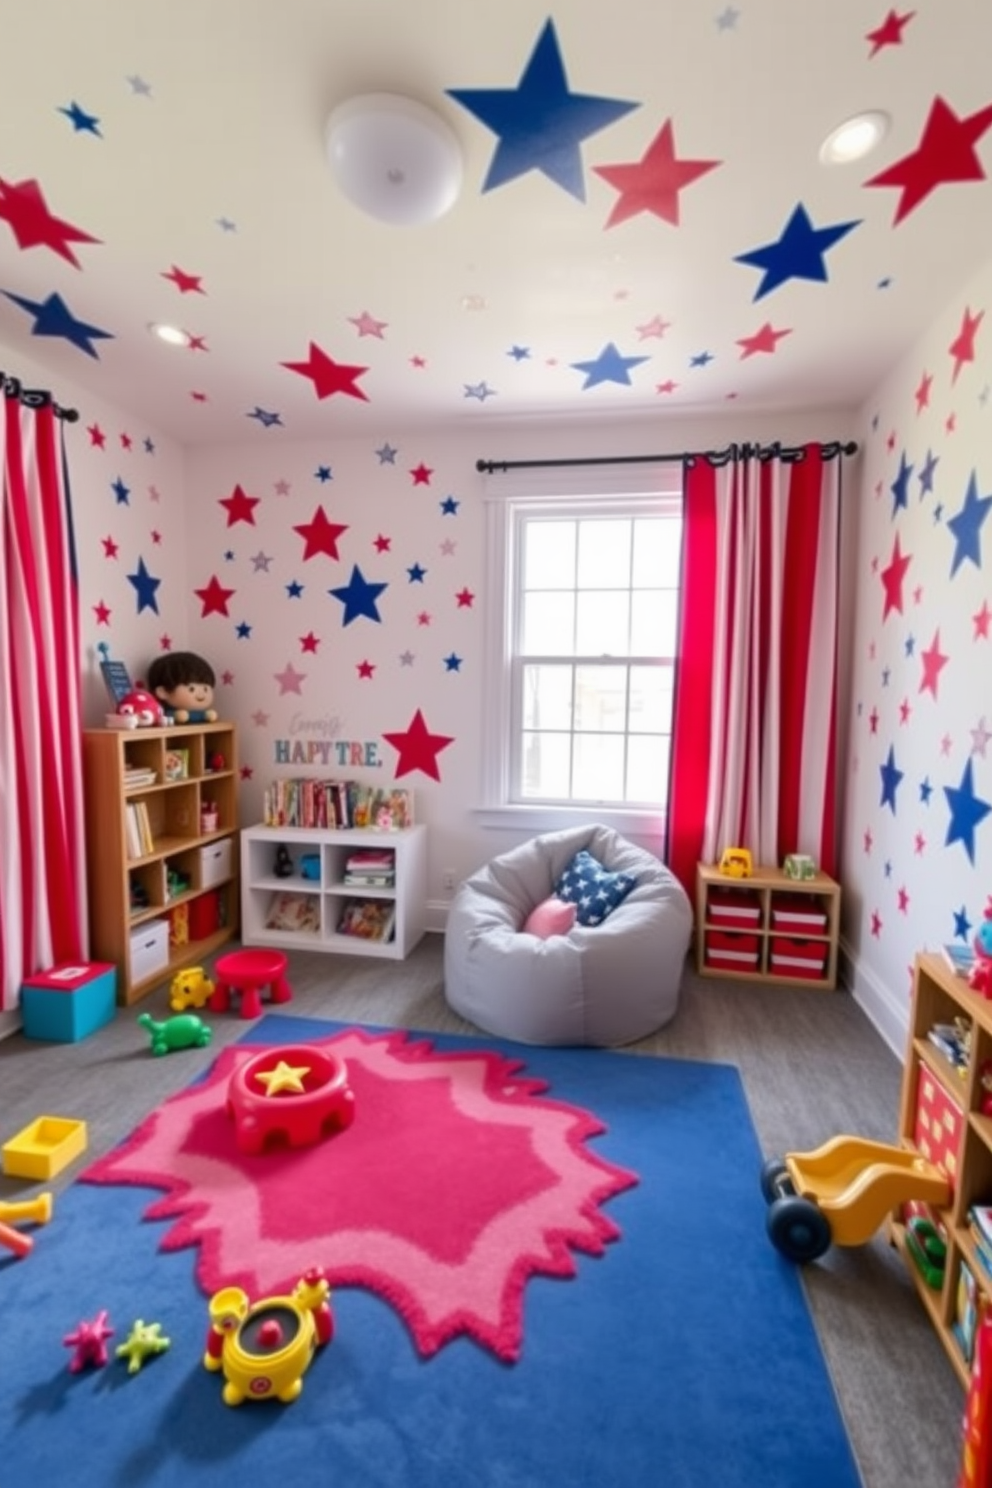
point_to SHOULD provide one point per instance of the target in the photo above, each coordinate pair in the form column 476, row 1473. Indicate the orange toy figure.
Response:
column 266, row 1347
column 37, row 1210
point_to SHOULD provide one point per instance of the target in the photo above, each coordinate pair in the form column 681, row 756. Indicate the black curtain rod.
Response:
column 35, row 397
column 715, row 457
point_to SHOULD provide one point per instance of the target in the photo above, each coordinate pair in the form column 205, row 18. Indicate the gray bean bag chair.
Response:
column 602, row 984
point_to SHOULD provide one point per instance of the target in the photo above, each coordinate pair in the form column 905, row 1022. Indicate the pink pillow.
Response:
column 551, row 917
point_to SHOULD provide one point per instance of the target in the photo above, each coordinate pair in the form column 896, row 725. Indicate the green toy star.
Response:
column 143, row 1340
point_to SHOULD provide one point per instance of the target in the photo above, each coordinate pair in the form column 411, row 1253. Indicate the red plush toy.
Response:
column 147, row 708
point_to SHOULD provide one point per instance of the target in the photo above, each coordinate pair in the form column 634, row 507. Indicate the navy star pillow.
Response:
column 593, row 889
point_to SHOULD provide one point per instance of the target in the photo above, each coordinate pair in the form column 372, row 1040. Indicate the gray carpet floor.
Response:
column 812, row 1067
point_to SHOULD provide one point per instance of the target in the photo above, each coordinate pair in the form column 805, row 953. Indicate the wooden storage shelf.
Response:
column 762, row 940
column 170, row 870
column 323, row 897
column 960, row 1142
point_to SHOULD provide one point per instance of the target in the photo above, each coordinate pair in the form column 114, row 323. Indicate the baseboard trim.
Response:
column 885, row 1010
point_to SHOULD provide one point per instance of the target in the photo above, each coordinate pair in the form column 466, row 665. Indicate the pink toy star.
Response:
column 90, row 1342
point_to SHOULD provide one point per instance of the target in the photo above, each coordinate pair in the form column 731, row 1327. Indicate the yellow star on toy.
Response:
column 283, row 1077
column 144, row 1339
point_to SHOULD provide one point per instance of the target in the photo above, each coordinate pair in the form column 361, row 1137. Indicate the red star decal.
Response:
column 892, row 578
column 321, row 535
column 240, row 507
column 904, row 711
column 873, row 721
column 197, row 343
column 418, row 748
column 950, row 423
column 465, row 599
column 981, row 622
column 328, row 376
column 165, row 643
column 902, row 898
column 309, row 642
column 869, row 842
column 920, row 842
column 227, row 678
column 962, row 348
column 365, row 670
column 23, row 206
column 933, row 665
column 421, row 475
column 97, row 436
column 246, row 772
column 922, row 394
column 126, row 441
column 889, row 33
column 764, row 340
column 654, row 182
column 666, row 387
column 945, row 153
column 418, row 362
column 890, row 442
column 109, row 548
column 423, row 618
column 102, row 613
column 382, row 544
column 199, row 397
column 876, row 924
column 185, row 283
column 214, row 598
column 156, row 536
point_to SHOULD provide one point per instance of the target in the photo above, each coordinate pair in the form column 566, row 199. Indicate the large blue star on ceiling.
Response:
column 798, row 253
column 52, row 317
column 967, row 526
column 967, row 810
column 609, row 366
column 358, row 597
column 891, row 778
column 144, row 586
column 540, row 124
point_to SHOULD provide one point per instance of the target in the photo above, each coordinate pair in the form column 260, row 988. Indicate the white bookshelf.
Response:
column 328, row 892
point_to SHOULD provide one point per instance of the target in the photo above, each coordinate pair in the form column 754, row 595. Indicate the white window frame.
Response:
column 562, row 491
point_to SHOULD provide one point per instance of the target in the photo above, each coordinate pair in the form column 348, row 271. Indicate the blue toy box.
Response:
column 69, row 1002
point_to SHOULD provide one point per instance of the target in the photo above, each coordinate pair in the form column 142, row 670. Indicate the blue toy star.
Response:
column 967, row 810
column 890, row 781
column 540, row 124
column 358, row 597
column 52, row 317
column 798, row 253
column 145, row 587
column 609, row 366
column 967, row 526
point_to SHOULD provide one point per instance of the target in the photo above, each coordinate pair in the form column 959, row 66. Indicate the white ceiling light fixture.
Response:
column 855, row 138
column 171, row 335
column 394, row 158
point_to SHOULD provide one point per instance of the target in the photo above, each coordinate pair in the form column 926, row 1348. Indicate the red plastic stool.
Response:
column 248, row 972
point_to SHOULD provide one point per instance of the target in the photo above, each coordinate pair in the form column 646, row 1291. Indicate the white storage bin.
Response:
column 215, row 862
column 149, row 949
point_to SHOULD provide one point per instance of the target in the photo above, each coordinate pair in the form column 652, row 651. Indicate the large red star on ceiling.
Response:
column 945, row 153
column 321, row 535
column 653, row 183
column 889, row 33
column 240, row 507
column 418, row 748
column 764, row 340
column 23, row 206
column 962, row 348
column 892, row 578
column 329, row 376
column 214, row 598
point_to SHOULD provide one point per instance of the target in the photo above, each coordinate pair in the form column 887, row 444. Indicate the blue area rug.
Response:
column 683, row 1356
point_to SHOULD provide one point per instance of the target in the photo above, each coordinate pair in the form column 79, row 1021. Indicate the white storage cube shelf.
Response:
column 322, row 898
column 149, row 946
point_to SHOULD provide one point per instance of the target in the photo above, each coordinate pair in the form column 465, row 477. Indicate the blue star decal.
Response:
column 967, row 525
column 144, row 586
column 540, row 124
column 609, row 366
column 323, row 473
column 266, row 419
column 121, row 491
column 900, row 486
column 452, row 663
column 962, row 924
column 387, row 454
column 926, row 791
column 243, row 630
column 449, row 506
column 910, row 645
column 416, row 573
column 81, row 120
column 358, row 597
column 294, row 590
column 149, row 446
column 967, row 810
column 226, row 225
column 798, row 253
column 480, row 390
column 938, row 512
column 890, row 781
column 52, row 317
column 701, row 359
column 519, row 353
column 926, row 474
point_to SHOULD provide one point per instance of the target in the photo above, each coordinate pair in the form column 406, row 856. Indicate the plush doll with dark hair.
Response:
column 184, row 683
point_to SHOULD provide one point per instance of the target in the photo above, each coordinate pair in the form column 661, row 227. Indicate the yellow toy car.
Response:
column 735, row 862
column 190, row 988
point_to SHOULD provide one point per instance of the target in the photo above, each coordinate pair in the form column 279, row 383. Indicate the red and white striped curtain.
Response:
column 753, row 745
column 42, row 845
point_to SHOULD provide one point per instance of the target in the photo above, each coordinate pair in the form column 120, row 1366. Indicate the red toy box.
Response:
column 939, row 1122
column 798, row 958
column 68, row 1002
column 798, row 914
column 204, row 915
column 738, row 909
column 731, row 950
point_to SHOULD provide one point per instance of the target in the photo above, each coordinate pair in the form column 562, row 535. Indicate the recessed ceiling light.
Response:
column 171, row 335
column 855, row 138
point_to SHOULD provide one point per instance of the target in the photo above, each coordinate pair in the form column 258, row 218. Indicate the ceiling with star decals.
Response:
column 644, row 227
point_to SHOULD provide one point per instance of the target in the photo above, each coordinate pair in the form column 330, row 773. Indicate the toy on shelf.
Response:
column 265, row 1348
column 735, row 862
column 183, row 1031
column 294, row 1096
column 90, row 1342
column 799, row 866
column 44, row 1148
column 190, row 988
column 144, row 1341
column 142, row 706
column 282, row 865
column 35, row 1211
column 840, row 1193
column 185, row 683
column 980, row 975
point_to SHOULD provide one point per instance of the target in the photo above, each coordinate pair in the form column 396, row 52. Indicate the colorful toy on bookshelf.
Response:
column 735, row 862
column 190, row 988
column 143, row 706
column 310, row 866
column 799, row 866
column 980, row 976
column 282, row 865
column 185, row 683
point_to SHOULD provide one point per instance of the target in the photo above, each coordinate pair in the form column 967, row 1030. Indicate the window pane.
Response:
column 601, row 698
column 549, row 623
column 654, row 622
column 603, row 623
column 547, row 697
column 598, row 774
column 549, row 555
column 604, row 554
column 647, row 768
column 545, row 766
column 650, row 700
column 657, row 552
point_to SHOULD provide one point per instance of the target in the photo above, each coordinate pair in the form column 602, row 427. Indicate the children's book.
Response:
column 960, row 958
column 368, row 919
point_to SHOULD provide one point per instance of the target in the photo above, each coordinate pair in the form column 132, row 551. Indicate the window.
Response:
column 583, row 638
